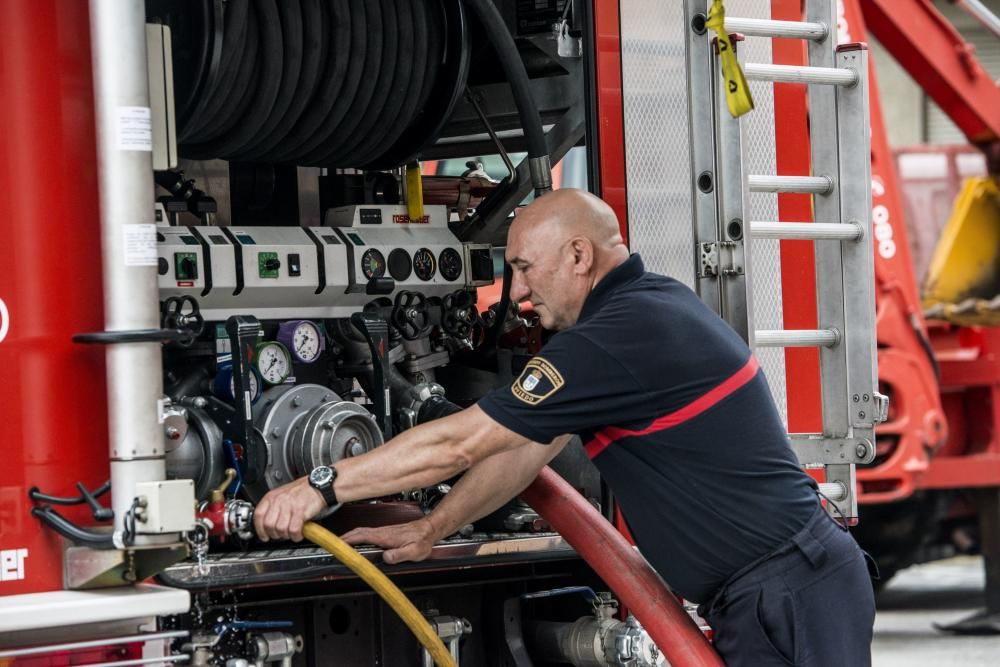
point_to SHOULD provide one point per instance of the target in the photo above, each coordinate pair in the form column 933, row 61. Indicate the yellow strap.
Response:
column 414, row 192
column 738, row 97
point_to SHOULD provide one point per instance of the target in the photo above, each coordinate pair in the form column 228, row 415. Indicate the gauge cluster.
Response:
column 319, row 272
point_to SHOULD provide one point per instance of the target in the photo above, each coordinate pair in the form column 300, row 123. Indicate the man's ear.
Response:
column 583, row 254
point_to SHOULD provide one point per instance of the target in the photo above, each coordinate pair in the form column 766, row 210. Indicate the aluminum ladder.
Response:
column 840, row 185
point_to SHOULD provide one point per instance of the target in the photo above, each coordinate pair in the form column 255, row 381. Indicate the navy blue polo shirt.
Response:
column 678, row 418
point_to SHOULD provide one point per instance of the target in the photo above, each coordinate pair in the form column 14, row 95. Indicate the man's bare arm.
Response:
column 490, row 484
column 484, row 488
column 419, row 457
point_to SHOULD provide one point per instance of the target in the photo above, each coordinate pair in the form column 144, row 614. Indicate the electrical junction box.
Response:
column 169, row 506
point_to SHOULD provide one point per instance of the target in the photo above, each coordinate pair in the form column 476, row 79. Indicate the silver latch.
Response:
column 881, row 407
column 719, row 258
column 709, row 254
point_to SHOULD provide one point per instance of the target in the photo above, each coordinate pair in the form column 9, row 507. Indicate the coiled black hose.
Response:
column 333, row 83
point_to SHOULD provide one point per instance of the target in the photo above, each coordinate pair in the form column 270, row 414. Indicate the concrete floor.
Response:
column 941, row 592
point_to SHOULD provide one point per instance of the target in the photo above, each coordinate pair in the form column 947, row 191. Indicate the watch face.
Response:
column 321, row 475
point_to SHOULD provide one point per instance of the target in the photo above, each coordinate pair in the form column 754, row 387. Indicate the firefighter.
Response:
column 678, row 418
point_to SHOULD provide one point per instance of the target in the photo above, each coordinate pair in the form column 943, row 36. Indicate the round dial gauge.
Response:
column 400, row 266
column 303, row 338
column 451, row 264
column 424, row 264
column 373, row 264
column 224, row 384
column 273, row 361
column 254, row 384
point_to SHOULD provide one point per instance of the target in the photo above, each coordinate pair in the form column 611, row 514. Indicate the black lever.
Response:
column 376, row 331
column 100, row 512
column 244, row 331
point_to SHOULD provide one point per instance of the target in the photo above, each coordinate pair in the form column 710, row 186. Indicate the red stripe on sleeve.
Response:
column 611, row 434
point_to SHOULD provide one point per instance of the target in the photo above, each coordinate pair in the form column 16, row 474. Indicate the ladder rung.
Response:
column 800, row 74
column 810, row 231
column 796, row 338
column 819, row 185
column 835, row 491
column 767, row 28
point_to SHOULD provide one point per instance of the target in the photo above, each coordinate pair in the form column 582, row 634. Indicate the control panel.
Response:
column 330, row 271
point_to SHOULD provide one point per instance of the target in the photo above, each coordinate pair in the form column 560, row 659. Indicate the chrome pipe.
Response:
column 819, row 185
column 796, row 338
column 128, row 239
column 809, row 231
column 833, row 76
column 767, row 28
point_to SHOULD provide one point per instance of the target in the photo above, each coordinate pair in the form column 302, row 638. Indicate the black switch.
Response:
column 189, row 269
column 294, row 267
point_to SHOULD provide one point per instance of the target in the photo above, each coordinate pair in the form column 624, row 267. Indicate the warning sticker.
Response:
column 140, row 245
column 537, row 381
column 135, row 129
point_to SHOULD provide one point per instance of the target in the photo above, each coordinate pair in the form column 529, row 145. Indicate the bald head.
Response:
column 560, row 246
column 563, row 214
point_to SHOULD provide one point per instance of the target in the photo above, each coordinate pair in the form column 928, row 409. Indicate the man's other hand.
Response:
column 281, row 514
column 403, row 542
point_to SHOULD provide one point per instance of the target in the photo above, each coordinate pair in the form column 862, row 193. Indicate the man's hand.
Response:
column 403, row 542
column 281, row 514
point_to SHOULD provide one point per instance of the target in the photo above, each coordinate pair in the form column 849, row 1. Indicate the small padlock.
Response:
column 567, row 46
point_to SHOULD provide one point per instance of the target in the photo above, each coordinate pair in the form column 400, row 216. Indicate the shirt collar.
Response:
column 626, row 272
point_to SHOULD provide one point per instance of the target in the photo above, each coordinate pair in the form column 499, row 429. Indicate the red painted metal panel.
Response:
column 610, row 112
column 798, row 261
column 53, row 396
column 934, row 54
column 916, row 425
column 951, row 472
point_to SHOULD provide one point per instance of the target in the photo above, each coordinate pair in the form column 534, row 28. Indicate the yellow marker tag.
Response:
column 738, row 97
column 414, row 192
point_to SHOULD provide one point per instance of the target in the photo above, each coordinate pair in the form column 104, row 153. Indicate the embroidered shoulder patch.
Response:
column 537, row 381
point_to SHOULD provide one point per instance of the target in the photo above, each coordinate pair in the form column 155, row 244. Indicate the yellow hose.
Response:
column 387, row 590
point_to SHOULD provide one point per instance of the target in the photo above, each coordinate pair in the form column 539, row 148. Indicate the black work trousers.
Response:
column 809, row 603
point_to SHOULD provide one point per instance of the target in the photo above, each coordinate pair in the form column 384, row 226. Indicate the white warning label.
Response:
column 140, row 245
column 135, row 129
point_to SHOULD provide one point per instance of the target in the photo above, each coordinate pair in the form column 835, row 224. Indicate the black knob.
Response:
column 272, row 264
column 188, row 268
column 162, row 266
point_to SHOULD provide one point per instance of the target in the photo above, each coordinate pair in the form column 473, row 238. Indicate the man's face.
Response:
column 543, row 274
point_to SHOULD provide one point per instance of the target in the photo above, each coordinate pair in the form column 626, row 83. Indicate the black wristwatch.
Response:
column 321, row 479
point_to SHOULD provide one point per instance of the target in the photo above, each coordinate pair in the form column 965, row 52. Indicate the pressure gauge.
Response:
column 424, row 264
column 224, row 385
column 451, row 264
column 303, row 338
column 273, row 361
column 373, row 264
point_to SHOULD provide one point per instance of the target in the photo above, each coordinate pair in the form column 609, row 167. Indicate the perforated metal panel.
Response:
column 654, row 88
column 759, row 142
column 658, row 173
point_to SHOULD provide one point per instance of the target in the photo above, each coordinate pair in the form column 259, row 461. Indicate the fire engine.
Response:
column 223, row 232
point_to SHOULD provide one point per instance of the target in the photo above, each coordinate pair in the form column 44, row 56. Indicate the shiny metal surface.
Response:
column 304, row 563
column 308, row 425
column 131, row 299
column 767, row 28
column 799, row 74
column 796, row 337
column 813, row 231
